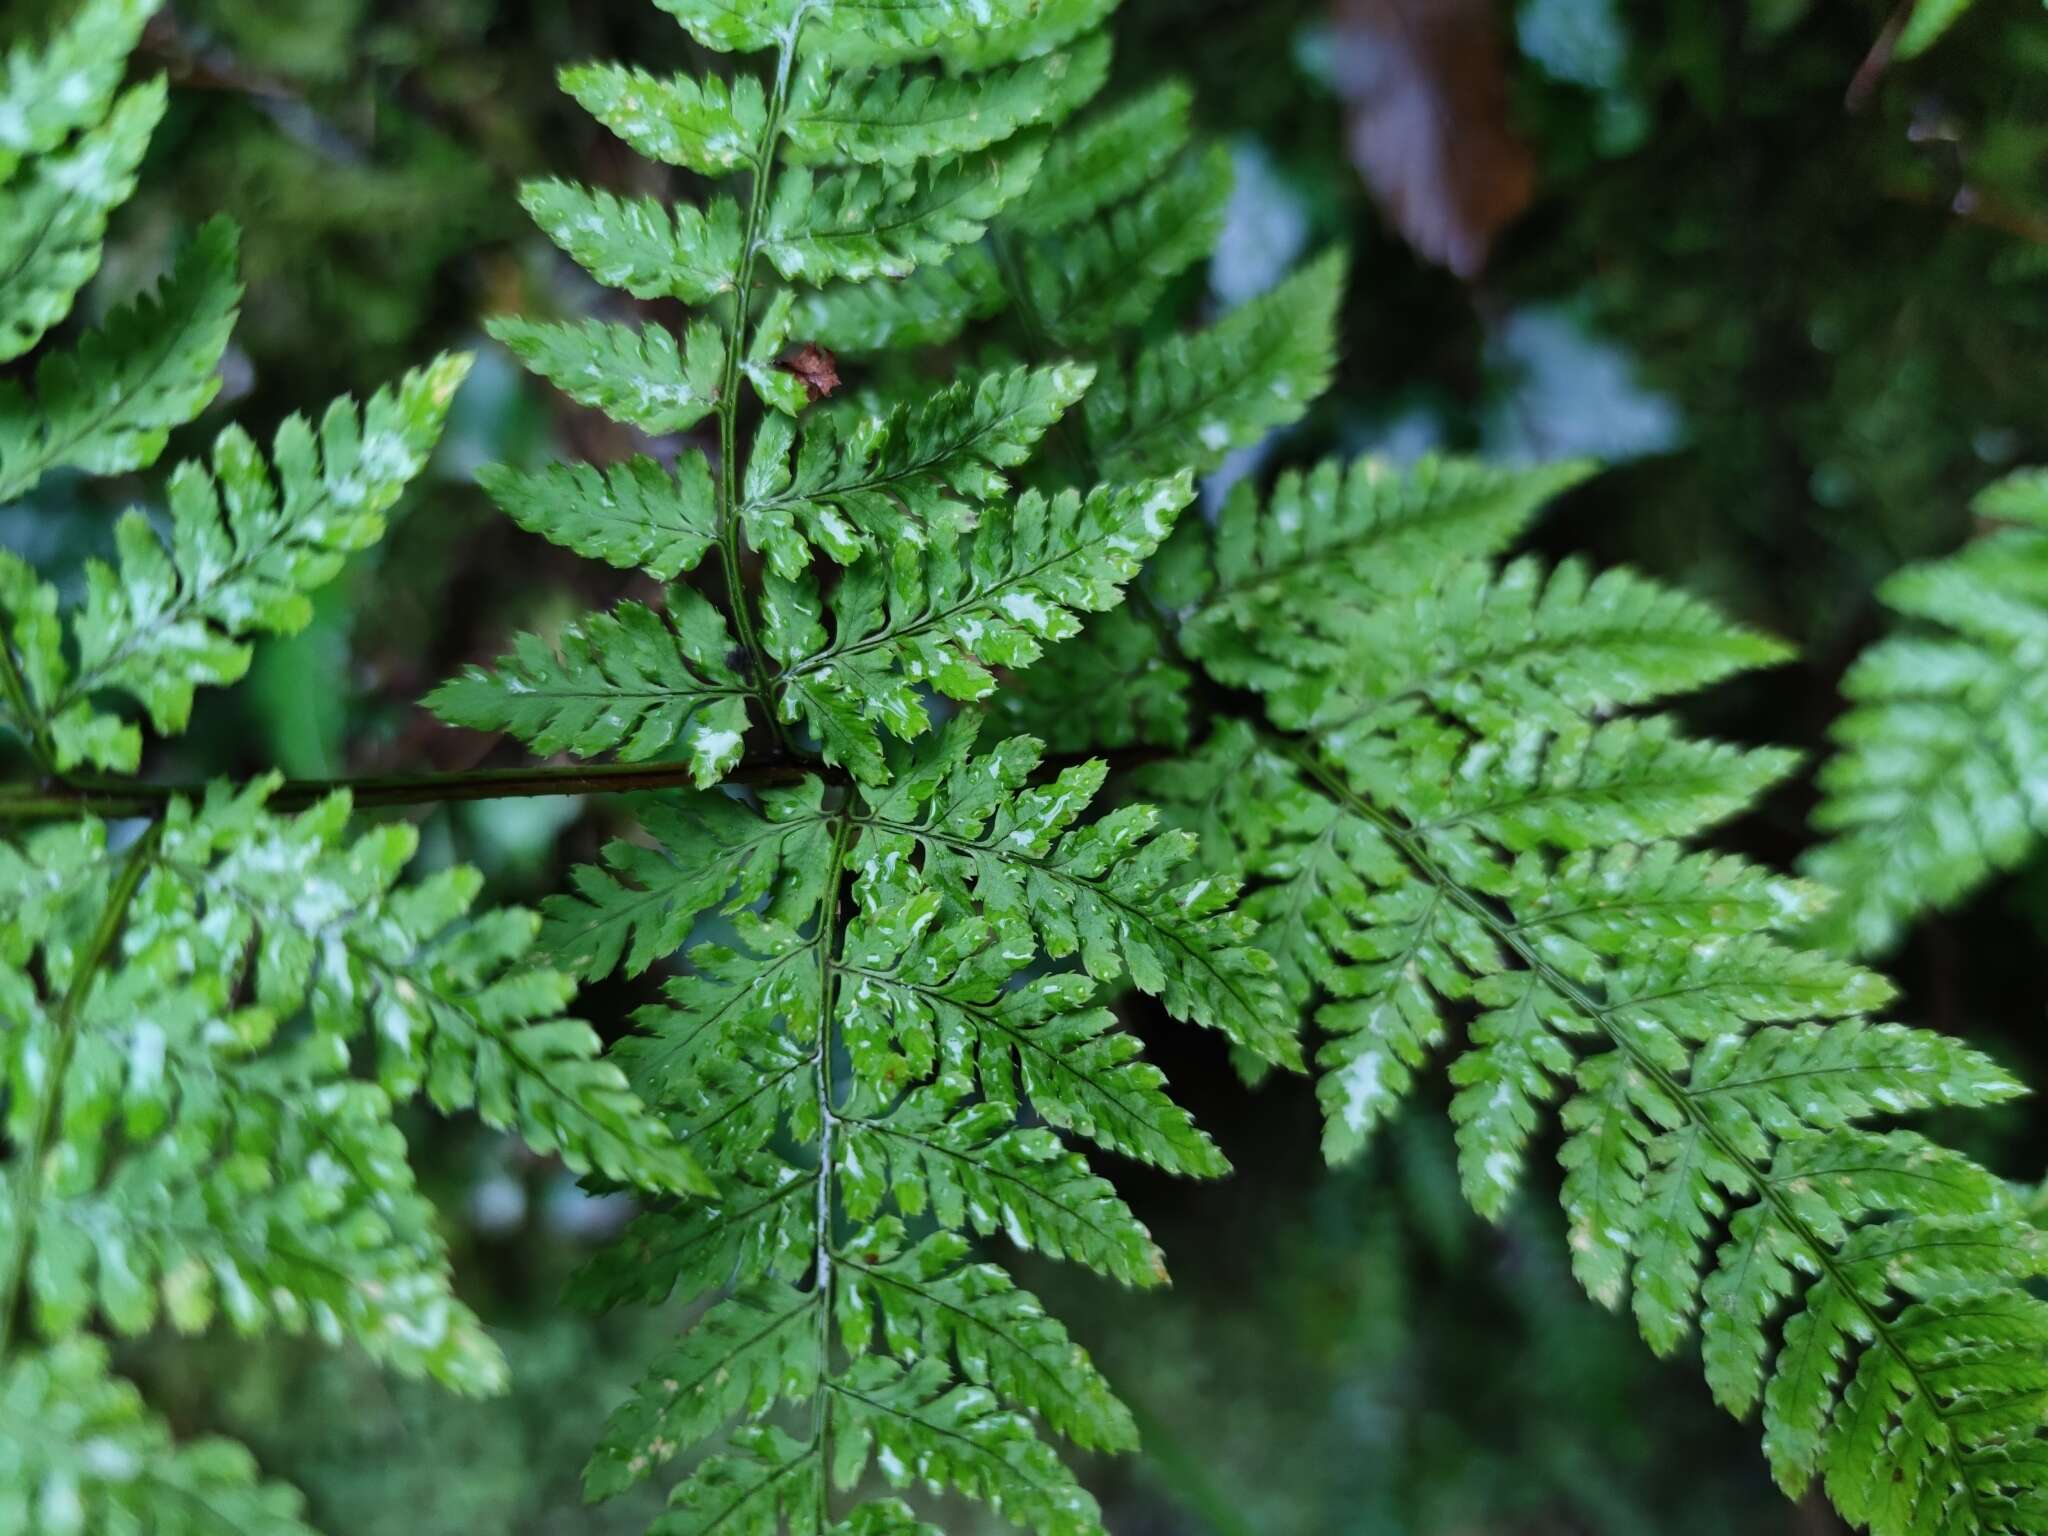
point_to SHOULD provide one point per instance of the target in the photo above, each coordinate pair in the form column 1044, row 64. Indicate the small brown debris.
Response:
column 817, row 368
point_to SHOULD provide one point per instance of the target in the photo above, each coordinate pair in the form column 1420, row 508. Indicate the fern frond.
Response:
column 1451, row 815
column 927, row 1300
column 248, row 543
column 187, row 1139
column 631, row 681
column 896, row 117
column 1109, row 688
column 1110, row 276
column 642, row 378
column 1106, row 159
column 280, row 1200
column 760, row 1222
column 759, row 1346
column 1038, row 1042
column 1932, row 788
column 52, row 221
column 941, row 1054
column 852, row 1040
column 877, row 222
column 49, row 92
column 917, row 473
column 1117, row 892
column 965, row 34
column 929, row 308
column 919, row 1425
column 1190, row 400
column 110, row 406
column 709, row 125
column 651, row 249
column 749, row 1489
column 634, row 515
column 180, row 1155
column 1329, row 535
column 706, row 853
column 940, row 616
column 870, row 32
column 79, row 1451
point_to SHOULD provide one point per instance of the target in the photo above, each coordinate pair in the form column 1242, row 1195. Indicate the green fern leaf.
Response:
column 897, row 117
column 966, row 1169
column 247, row 545
column 748, row 1490
column 1325, row 536
column 733, row 1055
column 853, row 225
column 1109, row 688
column 1115, row 891
column 634, row 515
column 927, row 1301
column 1492, row 648
column 474, row 1030
column 653, row 250
column 917, row 473
column 1105, row 159
column 985, row 35
column 52, row 224
column 47, row 93
column 736, row 26
column 708, row 125
column 707, row 853
column 917, row 1424
column 1189, row 400
column 84, row 1454
column 940, row 616
column 1451, row 805
column 632, row 681
column 1928, row 793
column 929, row 308
column 966, row 35
column 642, row 378
column 448, row 998
column 758, row 1224
column 109, row 407
column 1111, row 276
column 762, row 1344
column 852, row 1038
column 1079, row 1072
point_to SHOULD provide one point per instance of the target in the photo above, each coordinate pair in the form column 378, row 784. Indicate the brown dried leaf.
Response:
column 817, row 369
column 1426, row 88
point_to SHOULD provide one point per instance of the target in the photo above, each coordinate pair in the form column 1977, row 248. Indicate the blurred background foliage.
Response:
column 1795, row 289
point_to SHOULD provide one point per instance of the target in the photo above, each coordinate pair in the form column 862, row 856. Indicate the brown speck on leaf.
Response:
column 817, row 368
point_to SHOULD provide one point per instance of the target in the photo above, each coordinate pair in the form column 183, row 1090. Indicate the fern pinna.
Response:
column 1935, row 785
column 898, row 926
column 209, row 1005
column 1453, row 808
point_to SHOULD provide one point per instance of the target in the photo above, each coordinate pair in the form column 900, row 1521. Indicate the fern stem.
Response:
column 1510, row 936
column 36, row 1146
column 828, row 1121
column 69, row 799
column 16, row 688
column 729, row 386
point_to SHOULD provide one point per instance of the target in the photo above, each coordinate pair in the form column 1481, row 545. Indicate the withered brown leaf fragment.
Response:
column 1426, row 88
column 817, row 368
